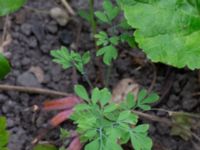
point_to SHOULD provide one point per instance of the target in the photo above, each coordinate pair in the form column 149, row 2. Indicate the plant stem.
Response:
column 92, row 19
column 87, row 79
column 108, row 71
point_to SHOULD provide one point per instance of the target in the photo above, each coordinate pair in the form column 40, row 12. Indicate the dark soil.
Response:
column 35, row 33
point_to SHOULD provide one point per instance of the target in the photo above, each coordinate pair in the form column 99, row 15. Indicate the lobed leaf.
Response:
column 105, row 96
column 102, row 38
column 96, row 95
column 110, row 10
column 86, row 57
column 168, row 31
column 141, row 141
column 93, row 145
column 101, row 16
column 109, row 53
column 81, row 92
column 110, row 108
column 128, row 117
column 62, row 57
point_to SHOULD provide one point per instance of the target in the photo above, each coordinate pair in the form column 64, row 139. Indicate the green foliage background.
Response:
column 168, row 31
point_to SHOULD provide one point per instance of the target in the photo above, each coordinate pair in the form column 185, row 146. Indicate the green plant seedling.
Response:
column 68, row 59
column 105, row 125
column 108, row 13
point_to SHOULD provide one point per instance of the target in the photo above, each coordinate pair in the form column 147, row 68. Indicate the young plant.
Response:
column 166, row 30
column 101, row 123
column 108, row 41
column 4, row 135
column 105, row 125
column 69, row 59
column 108, row 50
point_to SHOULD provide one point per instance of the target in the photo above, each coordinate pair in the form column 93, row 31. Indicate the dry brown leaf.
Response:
column 124, row 87
column 5, row 43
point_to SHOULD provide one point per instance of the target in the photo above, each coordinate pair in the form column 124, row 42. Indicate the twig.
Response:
column 196, row 136
column 6, row 38
column 74, row 76
column 177, row 112
column 161, row 120
column 68, row 7
column 31, row 90
column 40, row 11
column 153, row 117
column 5, row 28
column 196, row 94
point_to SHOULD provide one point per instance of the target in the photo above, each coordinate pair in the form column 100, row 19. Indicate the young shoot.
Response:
column 69, row 59
column 105, row 125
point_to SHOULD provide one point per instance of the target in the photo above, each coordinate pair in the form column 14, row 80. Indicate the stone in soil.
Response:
column 66, row 37
column 28, row 79
column 26, row 29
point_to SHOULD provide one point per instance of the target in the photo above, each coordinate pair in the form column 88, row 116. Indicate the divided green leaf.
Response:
column 144, row 99
column 128, row 117
column 68, row 59
column 96, row 95
column 102, row 16
column 62, row 57
column 103, row 124
column 81, row 92
column 109, row 53
column 141, row 141
column 64, row 133
column 109, row 12
column 105, row 96
column 102, row 38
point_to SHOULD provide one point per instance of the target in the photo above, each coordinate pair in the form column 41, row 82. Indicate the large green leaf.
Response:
column 9, row 6
column 4, row 66
column 167, row 30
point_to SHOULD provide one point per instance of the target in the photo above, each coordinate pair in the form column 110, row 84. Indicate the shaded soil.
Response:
column 35, row 34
